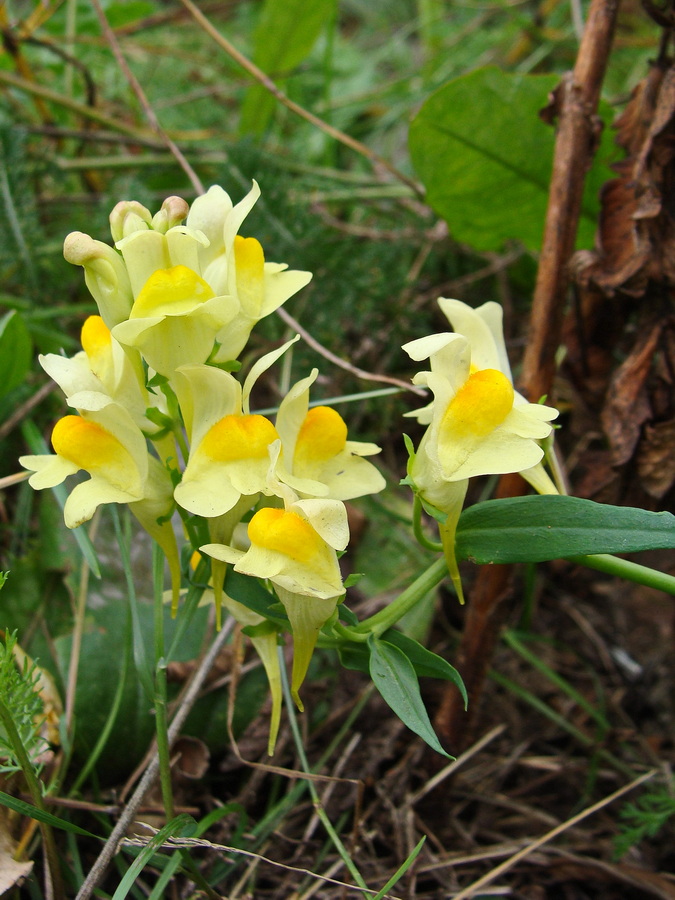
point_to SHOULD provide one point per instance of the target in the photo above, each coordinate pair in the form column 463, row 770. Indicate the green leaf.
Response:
column 485, row 158
column 25, row 809
column 285, row 34
column 171, row 829
column 533, row 529
column 425, row 662
column 252, row 594
column 355, row 655
column 394, row 677
column 16, row 351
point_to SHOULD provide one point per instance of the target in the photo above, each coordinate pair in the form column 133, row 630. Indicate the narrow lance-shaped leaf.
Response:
column 534, row 529
column 394, row 677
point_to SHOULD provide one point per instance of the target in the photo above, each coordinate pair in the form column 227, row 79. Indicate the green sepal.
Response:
column 352, row 579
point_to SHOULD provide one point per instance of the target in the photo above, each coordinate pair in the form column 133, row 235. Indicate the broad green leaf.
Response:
column 484, row 157
column 285, row 34
column 394, row 677
column 16, row 349
column 533, row 529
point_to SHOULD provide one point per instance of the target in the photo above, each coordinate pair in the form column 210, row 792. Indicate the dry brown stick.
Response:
column 575, row 104
column 263, row 79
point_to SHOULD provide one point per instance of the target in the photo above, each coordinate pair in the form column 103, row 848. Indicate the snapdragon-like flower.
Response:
column 101, row 372
column 229, row 453
column 477, row 423
column 177, row 292
column 109, row 446
column 236, row 265
column 318, row 458
column 174, row 319
column 295, row 548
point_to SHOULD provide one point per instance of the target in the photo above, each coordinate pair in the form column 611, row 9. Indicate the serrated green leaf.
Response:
column 484, row 156
column 534, row 529
column 394, row 677
column 16, row 350
column 285, row 34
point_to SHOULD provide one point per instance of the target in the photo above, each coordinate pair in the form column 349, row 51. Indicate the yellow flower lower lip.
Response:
column 175, row 291
column 479, row 406
column 284, row 532
column 239, row 437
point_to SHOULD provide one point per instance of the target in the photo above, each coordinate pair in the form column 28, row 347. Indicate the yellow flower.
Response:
column 477, row 423
column 476, row 426
column 105, row 275
column 229, row 446
column 295, row 548
column 174, row 319
column 110, row 447
column 103, row 371
column 260, row 287
column 318, row 458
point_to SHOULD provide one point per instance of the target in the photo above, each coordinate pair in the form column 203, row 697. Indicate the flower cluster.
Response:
column 161, row 423
column 477, row 423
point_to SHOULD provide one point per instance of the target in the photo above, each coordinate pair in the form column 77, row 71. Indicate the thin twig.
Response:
column 452, row 767
column 173, row 843
column 549, row 836
column 143, row 100
column 22, row 411
column 263, row 79
column 78, row 630
column 342, row 363
column 110, row 848
column 80, row 109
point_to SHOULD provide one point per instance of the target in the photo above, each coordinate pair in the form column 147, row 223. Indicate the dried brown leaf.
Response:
column 656, row 458
column 12, row 872
column 627, row 407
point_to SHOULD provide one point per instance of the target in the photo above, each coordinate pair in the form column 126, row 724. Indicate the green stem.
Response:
column 628, row 570
column 388, row 616
column 36, row 794
column 418, row 529
column 321, row 813
column 161, row 718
